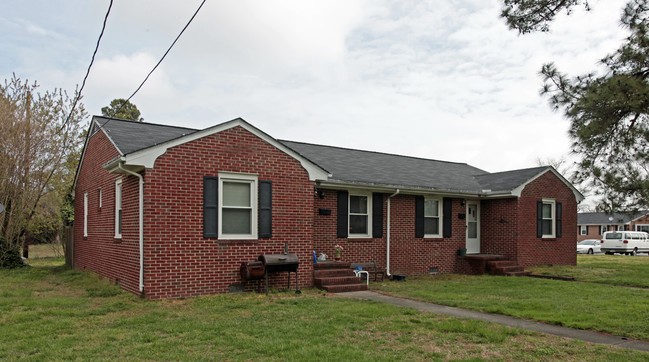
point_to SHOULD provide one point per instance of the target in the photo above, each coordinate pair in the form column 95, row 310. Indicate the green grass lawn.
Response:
column 598, row 307
column 48, row 312
column 607, row 269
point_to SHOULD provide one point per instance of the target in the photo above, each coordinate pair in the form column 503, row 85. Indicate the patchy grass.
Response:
column 607, row 269
column 48, row 312
column 45, row 251
column 597, row 307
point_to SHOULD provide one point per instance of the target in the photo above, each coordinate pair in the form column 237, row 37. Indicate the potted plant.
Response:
column 337, row 252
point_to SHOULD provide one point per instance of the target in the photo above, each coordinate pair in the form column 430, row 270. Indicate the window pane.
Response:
column 358, row 204
column 431, row 226
column 236, row 221
column 547, row 227
column 236, row 194
column 472, row 230
column 431, row 208
column 358, row 224
column 547, row 211
column 119, row 221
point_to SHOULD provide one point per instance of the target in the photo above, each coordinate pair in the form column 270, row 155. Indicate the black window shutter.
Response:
column 587, row 231
column 539, row 219
column 377, row 215
column 419, row 216
column 265, row 209
column 343, row 210
column 210, row 207
column 448, row 218
column 559, row 222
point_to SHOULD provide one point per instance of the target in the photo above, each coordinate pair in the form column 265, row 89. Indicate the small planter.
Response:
column 461, row 252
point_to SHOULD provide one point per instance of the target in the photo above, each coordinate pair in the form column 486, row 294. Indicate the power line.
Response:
column 161, row 59
column 92, row 60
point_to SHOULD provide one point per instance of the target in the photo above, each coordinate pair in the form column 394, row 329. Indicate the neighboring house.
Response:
column 171, row 212
column 591, row 225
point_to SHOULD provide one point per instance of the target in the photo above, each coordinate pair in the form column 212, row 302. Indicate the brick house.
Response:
column 171, row 212
column 591, row 225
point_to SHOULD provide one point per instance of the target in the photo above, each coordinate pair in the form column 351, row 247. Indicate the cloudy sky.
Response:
column 442, row 79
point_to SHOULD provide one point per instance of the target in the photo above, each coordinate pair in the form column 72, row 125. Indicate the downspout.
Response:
column 141, row 221
column 387, row 264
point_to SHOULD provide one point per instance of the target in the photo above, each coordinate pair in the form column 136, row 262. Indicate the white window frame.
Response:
column 253, row 181
column 603, row 229
column 553, row 218
column 439, row 217
column 119, row 214
column 635, row 227
column 368, row 195
column 85, row 214
column 583, row 229
column 100, row 198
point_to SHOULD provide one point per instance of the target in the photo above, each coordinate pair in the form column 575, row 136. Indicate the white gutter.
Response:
column 387, row 263
column 141, row 221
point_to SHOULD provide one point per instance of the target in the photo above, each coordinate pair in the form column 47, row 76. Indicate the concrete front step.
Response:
column 344, row 288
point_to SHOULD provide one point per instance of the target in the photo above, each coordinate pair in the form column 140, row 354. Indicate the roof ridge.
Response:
column 111, row 119
column 379, row 153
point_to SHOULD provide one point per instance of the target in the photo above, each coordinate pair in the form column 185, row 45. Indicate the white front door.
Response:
column 472, row 227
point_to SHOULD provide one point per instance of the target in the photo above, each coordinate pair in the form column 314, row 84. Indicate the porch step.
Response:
column 352, row 279
column 325, row 273
column 344, row 288
column 505, row 267
column 331, row 265
column 336, row 277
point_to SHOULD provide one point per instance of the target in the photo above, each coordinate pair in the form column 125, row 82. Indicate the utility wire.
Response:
column 92, row 60
column 160, row 61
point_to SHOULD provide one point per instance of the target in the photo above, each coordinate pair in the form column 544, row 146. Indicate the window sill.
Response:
column 550, row 238
column 238, row 242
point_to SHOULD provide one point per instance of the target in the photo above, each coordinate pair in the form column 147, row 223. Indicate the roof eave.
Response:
column 146, row 157
column 412, row 190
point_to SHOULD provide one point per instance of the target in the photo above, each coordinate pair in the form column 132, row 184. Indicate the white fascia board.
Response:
column 146, row 158
column 518, row 190
column 639, row 217
column 403, row 190
column 93, row 122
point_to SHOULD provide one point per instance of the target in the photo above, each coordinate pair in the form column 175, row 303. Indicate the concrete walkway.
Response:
column 583, row 335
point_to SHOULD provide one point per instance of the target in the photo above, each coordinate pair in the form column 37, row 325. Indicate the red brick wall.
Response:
column 499, row 227
column 593, row 233
column 408, row 255
column 115, row 259
column 534, row 251
column 179, row 261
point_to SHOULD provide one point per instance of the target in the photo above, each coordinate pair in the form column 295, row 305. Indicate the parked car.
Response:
column 625, row 242
column 589, row 246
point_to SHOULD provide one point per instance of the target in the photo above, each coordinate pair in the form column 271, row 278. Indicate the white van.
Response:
column 627, row 242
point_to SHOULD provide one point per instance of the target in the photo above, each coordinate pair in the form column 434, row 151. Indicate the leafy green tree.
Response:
column 39, row 137
column 609, row 112
column 123, row 109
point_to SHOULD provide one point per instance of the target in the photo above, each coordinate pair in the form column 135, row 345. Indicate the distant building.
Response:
column 591, row 225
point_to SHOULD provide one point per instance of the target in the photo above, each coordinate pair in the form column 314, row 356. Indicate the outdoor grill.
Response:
column 251, row 270
column 271, row 263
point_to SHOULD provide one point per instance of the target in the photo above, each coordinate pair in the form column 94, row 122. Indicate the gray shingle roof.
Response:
column 508, row 180
column 131, row 136
column 603, row 218
column 387, row 169
column 344, row 164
